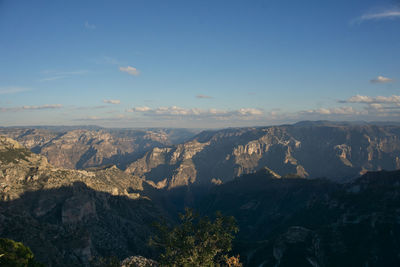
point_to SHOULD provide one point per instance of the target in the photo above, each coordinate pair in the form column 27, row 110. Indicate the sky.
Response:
column 198, row 64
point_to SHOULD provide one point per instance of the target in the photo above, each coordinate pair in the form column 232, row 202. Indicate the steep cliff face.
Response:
column 81, row 148
column 169, row 167
column 309, row 151
column 22, row 170
column 71, row 217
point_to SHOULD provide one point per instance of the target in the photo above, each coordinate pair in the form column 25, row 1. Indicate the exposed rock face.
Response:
column 71, row 217
column 306, row 150
column 80, row 148
column 138, row 261
column 169, row 167
column 22, row 170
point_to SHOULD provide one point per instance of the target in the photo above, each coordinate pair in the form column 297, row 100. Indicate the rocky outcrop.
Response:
column 72, row 217
column 82, row 148
column 169, row 167
column 22, row 170
column 336, row 151
column 138, row 261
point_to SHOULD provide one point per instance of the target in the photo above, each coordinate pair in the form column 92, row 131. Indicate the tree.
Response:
column 196, row 241
column 14, row 253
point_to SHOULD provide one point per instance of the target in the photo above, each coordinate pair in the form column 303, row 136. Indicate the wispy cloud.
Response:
column 89, row 26
column 13, row 90
column 203, row 97
column 47, row 106
column 130, row 70
column 380, row 106
column 111, row 60
column 139, row 109
column 88, row 107
column 250, row 111
column 174, row 111
column 53, row 78
column 381, row 79
column 102, row 118
column 57, row 75
column 112, row 101
column 392, row 13
column 394, row 99
column 41, row 107
column 332, row 111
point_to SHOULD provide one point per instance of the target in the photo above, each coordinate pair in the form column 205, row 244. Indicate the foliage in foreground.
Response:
column 197, row 241
column 14, row 253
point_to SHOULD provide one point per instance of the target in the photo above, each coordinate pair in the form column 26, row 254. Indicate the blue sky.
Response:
column 198, row 63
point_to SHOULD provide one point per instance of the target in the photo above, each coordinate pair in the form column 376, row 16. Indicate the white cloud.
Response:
column 359, row 99
column 89, row 26
column 196, row 112
column 13, row 90
column 250, row 111
column 117, row 117
column 130, row 70
column 112, row 101
column 385, row 14
column 57, row 75
column 47, row 106
column 139, row 109
column 381, row 79
column 53, row 78
column 332, row 111
column 394, row 99
column 376, row 106
column 203, row 97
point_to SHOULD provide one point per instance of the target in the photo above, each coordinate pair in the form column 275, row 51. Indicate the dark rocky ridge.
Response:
column 298, row 222
column 78, row 226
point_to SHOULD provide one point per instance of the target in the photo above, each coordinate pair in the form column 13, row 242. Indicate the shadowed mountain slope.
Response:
column 71, row 217
column 297, row 222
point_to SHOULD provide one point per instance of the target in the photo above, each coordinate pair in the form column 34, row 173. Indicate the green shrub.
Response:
column 196, row 241
column 15, row 254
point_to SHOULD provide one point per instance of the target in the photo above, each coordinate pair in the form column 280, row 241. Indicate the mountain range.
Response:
column 308, row 150
column 80, row 148
column 309, row 194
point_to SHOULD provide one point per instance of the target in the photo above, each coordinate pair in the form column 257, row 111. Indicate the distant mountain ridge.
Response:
column 310, row 150
column 176, row 157
column 74, row 148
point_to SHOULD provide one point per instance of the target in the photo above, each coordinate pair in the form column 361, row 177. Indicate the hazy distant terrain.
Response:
column 337, row 151
column 180, row 157
column 80, row 148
